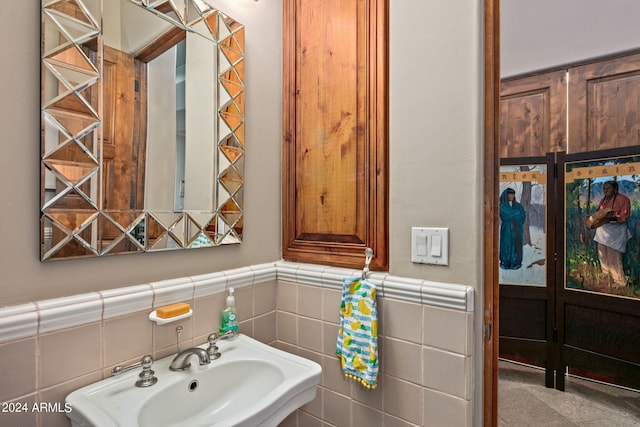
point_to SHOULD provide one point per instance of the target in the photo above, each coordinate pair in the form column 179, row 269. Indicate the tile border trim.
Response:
column 426, row 292
column 28, row 320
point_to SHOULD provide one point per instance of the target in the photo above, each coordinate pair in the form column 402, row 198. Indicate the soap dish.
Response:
column 160, row 321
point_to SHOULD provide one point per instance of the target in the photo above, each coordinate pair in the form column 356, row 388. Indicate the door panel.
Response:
column 598, row 323
column 533, row 115
column 526, row 299
column 525, row 335
column 605, row 104
column 335, row 158
column 121, row 149
column 597, row 329
column 525, row 306
column 600, row 342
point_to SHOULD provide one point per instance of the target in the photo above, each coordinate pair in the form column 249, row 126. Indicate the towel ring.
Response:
column 368, row 253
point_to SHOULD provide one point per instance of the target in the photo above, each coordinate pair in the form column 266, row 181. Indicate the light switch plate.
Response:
column 437, row 245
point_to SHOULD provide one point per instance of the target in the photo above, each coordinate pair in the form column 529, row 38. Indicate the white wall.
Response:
column 161, row 166
column 436, row 86
column 201, row 115
column 542, row 34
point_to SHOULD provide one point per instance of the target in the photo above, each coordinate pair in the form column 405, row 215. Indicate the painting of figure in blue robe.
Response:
column 512, row 216
column 523, row 222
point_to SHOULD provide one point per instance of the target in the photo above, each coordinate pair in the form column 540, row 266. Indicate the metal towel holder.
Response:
column 368, row 253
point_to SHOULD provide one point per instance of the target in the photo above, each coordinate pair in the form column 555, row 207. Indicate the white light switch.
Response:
column 430, row 245
column 436, row 246
column 422, row 245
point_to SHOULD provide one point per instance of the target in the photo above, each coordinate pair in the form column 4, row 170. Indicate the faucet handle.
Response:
column 213, row 350
column 146, row 359
column 147, row 376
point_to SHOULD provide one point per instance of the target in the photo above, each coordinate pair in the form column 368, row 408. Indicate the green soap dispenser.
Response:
column 229, row 316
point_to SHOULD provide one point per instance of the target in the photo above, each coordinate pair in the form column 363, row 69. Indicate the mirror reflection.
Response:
column 142, row 127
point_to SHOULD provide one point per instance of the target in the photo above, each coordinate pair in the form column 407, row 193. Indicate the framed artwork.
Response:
column 523, row 227
column 602, row 214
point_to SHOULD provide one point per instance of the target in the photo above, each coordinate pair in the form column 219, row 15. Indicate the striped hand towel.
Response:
column 357, row 343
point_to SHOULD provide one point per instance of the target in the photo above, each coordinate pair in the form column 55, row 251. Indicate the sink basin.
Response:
column 252, row 384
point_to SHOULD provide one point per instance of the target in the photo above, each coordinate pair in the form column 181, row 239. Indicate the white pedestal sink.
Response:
column 251, row 385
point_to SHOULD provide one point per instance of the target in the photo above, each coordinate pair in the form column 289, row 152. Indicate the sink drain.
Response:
column 193, row 385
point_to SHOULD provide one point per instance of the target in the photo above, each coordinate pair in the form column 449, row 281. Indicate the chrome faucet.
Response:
column 181, row 361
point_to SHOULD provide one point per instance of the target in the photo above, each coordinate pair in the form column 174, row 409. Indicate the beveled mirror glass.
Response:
column 142, row 117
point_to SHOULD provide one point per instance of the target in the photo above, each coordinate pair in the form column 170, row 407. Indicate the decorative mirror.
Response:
column 142, row 117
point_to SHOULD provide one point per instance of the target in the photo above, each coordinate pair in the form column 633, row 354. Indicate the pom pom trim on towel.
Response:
column 362, row 381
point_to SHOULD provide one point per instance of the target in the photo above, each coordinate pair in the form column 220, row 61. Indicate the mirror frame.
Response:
column 73, row 220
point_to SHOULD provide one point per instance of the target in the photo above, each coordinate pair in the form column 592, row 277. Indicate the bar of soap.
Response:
column 173, row 310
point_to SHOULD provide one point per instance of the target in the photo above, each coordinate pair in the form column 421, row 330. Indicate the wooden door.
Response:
column 335, row 132
column 123, row 141
column 123, row 120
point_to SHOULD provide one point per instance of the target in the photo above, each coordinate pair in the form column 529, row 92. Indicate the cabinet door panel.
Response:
column 335, row 131
column 532, row 115
column 605, row 100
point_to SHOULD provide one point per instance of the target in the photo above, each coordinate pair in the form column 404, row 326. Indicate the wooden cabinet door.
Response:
column 124, row 138
column 605, row 104
column 335, row 131
column 533, row 115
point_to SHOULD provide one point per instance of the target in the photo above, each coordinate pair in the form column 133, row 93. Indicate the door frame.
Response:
column 491, row 161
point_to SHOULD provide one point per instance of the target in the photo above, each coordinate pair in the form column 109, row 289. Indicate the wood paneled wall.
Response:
column 533, row 115
column 605, row 104
column 335, row 132
column 600, row 103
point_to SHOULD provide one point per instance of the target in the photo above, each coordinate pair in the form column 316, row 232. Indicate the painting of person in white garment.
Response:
column 613, row 235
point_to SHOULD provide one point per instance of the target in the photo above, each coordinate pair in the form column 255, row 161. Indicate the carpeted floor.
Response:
column 524, row 401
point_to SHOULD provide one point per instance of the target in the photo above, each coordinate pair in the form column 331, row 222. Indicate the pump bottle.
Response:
column 229, row 317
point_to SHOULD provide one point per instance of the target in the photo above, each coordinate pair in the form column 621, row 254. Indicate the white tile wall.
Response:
column 123, row 301
column 63, row 313
column 18, row 322
column 172, row 291
column 427, row 331
column 209, row 284
column 448, row 329
column 240, row 277
column 425, row 347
